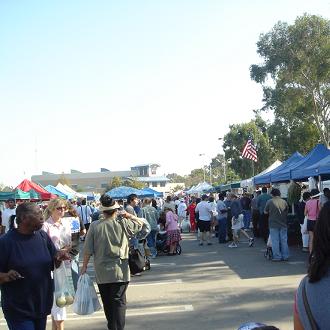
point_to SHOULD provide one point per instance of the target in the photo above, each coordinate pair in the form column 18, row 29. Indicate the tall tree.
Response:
column 234, row 142
column 296, row 64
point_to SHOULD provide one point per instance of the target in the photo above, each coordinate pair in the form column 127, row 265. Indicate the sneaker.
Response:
column 232, row 245
column 251, row 242
column 201, row 243
column 209, row 243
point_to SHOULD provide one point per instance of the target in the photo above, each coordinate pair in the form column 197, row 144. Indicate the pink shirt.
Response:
column 59, row 232
column 171, row 221
column 312, row 209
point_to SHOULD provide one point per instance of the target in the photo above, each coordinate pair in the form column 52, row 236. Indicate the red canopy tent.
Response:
column 27, row 185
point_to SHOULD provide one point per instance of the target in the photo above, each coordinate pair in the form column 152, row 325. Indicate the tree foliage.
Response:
column 234, row 142
column 296, row 62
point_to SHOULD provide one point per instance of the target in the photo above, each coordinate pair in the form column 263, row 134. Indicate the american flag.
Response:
column 250, row 151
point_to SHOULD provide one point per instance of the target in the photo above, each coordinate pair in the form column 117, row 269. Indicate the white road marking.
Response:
column 155, row 283
column 163, row 264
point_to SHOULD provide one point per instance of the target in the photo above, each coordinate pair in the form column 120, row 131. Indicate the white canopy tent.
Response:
column 67, row 190
column 248, row 183
column 203, row 186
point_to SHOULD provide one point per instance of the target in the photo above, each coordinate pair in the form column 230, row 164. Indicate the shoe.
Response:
column 209, row 243
column 251, row 242
column 276, row 260
column 201, row 244
column 232, row 245
column 286, row 259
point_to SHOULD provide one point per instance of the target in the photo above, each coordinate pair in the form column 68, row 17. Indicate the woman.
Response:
column 107, row 241
column 27, row 259
column 191, row 211
column 77, row 230
column 311, row 212
column 58, row 229
column 317, row 283
column 172, row 230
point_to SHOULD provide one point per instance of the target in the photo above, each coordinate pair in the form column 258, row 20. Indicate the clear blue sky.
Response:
column 112, row 84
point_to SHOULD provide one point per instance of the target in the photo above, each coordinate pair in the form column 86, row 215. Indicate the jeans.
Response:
column 279, row 238
column 113, row 296
column 151, row 242
column 75, row 270
column 36, row 324
column 247, row 218
column 222, row 229
column 263, row 226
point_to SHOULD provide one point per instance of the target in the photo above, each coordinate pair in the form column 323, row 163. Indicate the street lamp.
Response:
column 203, row 165
column 224, row 162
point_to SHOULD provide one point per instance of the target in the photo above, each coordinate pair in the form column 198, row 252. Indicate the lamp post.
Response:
column 224, row 162
column 203, row 165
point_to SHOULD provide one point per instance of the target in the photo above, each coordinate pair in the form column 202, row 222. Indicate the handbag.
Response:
column 308, row 311
column 136, row 261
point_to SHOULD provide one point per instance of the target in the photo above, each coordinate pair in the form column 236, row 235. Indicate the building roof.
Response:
column 152, row 179
column 145, row 165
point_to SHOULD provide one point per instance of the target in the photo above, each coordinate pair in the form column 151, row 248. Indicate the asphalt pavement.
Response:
column 207, row 287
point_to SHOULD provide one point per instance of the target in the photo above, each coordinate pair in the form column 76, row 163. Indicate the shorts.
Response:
column 310, row 225
column 236, row 232
column 204, row 226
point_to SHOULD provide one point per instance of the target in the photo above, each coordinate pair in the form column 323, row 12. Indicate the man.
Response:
column 222, row 219
column 246, row 207
column 151, row 215
column 182, row 212
column 204, row 209
column 132, row 202
column 263, row 223
column 255, row 214
column 85, row 213
column 277, row 208
column 7, row 213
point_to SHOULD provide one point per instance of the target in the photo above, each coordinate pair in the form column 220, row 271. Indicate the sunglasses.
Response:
column 63, row 208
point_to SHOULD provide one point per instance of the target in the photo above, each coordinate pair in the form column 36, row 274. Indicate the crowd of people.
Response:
column 40, row 238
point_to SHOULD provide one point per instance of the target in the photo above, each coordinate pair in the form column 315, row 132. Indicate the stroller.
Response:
column 161, row 244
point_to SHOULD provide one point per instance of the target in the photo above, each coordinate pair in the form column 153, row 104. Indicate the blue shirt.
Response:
column 261, row 202
column 31, row 256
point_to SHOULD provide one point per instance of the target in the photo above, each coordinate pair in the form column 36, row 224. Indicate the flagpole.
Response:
column 252, row 167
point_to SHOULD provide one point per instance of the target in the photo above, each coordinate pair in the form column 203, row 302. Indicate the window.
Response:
column 154, row 184
column 163, row 184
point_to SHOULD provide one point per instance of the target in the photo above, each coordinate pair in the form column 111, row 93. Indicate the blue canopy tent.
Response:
column 57, row 192
column 321, row 168
column 289, row 173
column 124, row 192
column 267, row 177
column 153, row 192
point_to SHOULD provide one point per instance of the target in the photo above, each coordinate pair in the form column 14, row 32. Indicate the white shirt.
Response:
column 205, row 209
column 182, row 208
column 6, row 214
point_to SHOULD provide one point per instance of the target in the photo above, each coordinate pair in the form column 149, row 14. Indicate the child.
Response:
column 237, row 225
column 172, row 230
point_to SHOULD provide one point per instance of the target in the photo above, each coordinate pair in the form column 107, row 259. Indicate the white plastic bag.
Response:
column 304, row 226
column 64, row 291
column 86, row 301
